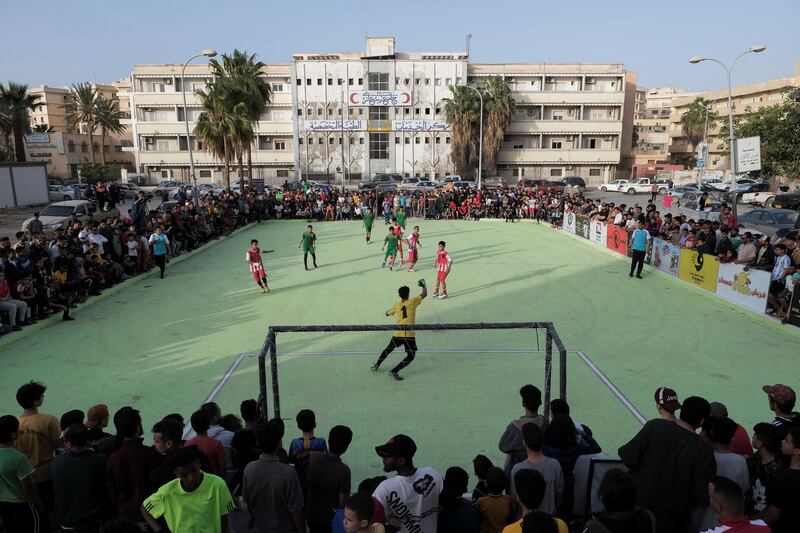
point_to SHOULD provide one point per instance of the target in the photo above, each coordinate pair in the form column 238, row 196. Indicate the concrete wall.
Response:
column 23, row 184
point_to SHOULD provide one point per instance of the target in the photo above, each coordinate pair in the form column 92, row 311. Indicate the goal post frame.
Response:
column 269, row 349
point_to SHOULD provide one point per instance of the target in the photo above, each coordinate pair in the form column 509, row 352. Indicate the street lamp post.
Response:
column 480, row 139
column 731, row 137
column 206, row 53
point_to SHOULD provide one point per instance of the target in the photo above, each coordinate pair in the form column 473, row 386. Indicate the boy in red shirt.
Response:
column 253, row 258
column 443, row 265
column 413, row 244
column 397, row 230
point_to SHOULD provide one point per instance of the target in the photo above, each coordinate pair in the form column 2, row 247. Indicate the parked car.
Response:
column 769, row 221
column 616, row 186
column 419, row 184
column 57, row 214
column 388, row 186
column 130, row 190
column 166, row 207
column 454, row 177
column 576, row 181
column 744, row 188
column 679, row 191
column 463, row 184
column 691, row 200
column 381, row 179
column 787, row 201
column 60, row 193
column 493, row 182
column 726, row 185
column 166, row 186
column 531, row 183
column 760, row 199
column 298, row 185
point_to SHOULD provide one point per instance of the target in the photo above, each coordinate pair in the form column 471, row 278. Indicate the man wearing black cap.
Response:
column 408, row 502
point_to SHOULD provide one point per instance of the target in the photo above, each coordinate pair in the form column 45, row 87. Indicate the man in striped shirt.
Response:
column 413, row 244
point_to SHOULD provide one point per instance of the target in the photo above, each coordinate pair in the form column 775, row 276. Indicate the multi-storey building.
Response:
column 571, row 119
column 745, row 98
column 64, row 148
column 651, row 124
column 380, row 111
column 157, row 125
column 354, row 114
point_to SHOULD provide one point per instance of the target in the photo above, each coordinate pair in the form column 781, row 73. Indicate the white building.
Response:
column 340, row 126
column 355, row 114
column 159, row 133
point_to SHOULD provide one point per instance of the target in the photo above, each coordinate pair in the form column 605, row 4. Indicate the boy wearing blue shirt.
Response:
column 640, row 239
column 300, row 449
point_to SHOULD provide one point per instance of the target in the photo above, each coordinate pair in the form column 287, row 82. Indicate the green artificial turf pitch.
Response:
column 163, row 345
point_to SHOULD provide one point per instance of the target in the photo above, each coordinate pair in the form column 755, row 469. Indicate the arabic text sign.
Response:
column 739, row 285
column 420, row 125
column 333, row 125
column 387, row 98
column 748, row 154
column 37, row 138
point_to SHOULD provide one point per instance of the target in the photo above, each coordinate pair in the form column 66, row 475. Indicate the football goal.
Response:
column 269, row 354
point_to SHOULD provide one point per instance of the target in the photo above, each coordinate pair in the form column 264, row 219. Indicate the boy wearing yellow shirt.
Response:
column 530, row 486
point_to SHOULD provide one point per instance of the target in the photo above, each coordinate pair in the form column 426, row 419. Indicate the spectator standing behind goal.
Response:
column 511, row 442
column 37, row 438
column 270, row 489
column 457, row 514
column 328, row 481
column 409, row 501
column 727, row 501
column 20, row 504
column 672, row 492
column 783, row 511
column 530, row 490
column 618, row 494
column 550, row 469
column 195, row 501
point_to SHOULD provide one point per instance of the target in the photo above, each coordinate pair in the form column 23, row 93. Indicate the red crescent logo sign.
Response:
column 353, row 98
column 407, row 97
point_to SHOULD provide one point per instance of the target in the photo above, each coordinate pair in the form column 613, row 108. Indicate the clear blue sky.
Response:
column 56, row 42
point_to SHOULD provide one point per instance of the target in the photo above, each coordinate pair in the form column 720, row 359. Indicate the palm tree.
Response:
column 16, row 105
column 694, row 119
column 81, row 110
column 213, row 128
column 108, row 118
column 499, row 107
column 463, row 114
column 243, row 86
column 42, row 128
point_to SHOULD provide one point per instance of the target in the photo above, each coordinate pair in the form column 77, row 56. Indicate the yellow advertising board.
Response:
column 699, row 269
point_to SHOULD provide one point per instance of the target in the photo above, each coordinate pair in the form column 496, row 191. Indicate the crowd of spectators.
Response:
column 692, row 468
column 41, row 274
column 780, row 255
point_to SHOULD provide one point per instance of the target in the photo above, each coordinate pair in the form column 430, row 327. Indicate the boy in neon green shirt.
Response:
column 195, row 501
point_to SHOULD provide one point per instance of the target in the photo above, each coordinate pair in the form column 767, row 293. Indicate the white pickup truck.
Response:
column 640, row 186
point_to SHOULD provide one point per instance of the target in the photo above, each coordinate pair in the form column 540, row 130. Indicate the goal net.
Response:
column 537, row 348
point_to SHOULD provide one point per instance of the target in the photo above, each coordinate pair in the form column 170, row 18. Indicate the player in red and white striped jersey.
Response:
column 397, row 230
column 413, row 244
column 253, row 258
column 443, row 265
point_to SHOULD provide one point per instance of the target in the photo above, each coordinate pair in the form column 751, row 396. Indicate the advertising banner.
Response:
column 748, row 288
column 617, row 239
column 699, row 269
column 582, row 226
column 598, row 233
column 569, row 222
column 666, row 256
column 748, row 154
